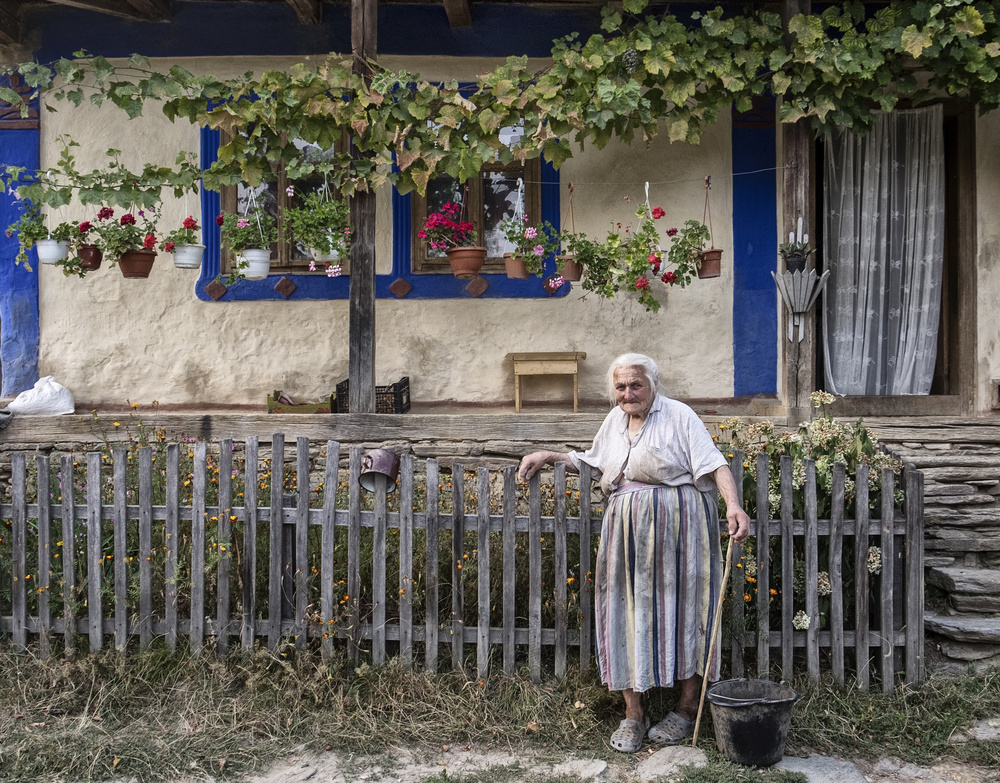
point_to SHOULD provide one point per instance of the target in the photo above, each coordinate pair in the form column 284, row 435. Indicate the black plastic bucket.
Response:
column 751, row 720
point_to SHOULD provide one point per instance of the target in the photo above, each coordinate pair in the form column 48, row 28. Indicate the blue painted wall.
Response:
column 19, row 333
column 755, row 247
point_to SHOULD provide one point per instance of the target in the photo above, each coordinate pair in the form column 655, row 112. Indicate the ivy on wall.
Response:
column 641, row 76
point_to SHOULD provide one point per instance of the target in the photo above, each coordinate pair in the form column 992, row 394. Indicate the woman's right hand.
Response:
column 532, row 463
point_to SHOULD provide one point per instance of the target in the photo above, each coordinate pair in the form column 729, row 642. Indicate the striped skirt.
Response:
column 656, row 586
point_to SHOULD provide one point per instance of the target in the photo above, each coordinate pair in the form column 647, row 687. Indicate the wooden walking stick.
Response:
column 715, row 637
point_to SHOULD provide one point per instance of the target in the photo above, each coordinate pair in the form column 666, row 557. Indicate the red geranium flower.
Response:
column 658, row 213
column 190, row 222
column 105, row 213
column 149, row 242
column 128, row 219
column 642, row 284
column 219, row 219
column 85, row 226
column 168, row 247
column 671, row 232
column 669, row 277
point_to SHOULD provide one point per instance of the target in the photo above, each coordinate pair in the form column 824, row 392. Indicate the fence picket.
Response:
column 146, row 552
column 457, row 556
column 763, row 555
column 120, row 519
column 276, row 554
column 432, row 540
column 44, row 563
column 196, row 635
column 406, row 559
column 171, row 570
column 914, row 509
column 739, row 582
column 300, row 623
column 225, row 527
column 559, row 532
column 95, row 613
column 19, row 546
column 861, row 635
column 378, row 571
column 483, row 572
column 328, row 537
column 251, row 475
column 67, row 480
column 585, row 577
column 509, row 573
column 787, row 568
column 812, row 572
column 835, row 569
column 354, row 548
column 535, row 578
column 887, row 543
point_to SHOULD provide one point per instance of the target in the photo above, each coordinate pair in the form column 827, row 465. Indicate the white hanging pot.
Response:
column 258, row 263
column 188, row 256
column 51, row 250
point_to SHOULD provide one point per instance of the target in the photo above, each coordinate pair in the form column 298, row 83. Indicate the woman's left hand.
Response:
column 739, row 520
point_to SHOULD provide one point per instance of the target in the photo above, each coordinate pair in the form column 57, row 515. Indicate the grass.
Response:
column 152, row 717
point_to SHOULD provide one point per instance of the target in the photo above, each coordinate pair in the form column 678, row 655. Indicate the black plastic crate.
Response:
column 394, row 398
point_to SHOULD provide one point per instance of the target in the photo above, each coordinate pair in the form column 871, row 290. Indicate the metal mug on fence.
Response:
column 380, row 462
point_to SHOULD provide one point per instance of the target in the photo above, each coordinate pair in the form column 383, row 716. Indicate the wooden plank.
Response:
column 171, row 569
column 431, row 523
column 835, row 564
column 68, row 549
column 224, row 565
column 763, row 555
column 560, row 533
column 585, row 577
column 406, row 559
column 198, row 514
column 888, row 566
column 307, row 11
column 354, row 548
column 787, row 569
column 275, row 554
column 812, row 572
column 741, row 582
column 95, row 614
column 44, row 554
column 861, row 635
column 509, row 572
column 378, row 570
column 457, row 562
column 119, row 463
column 483, row 572
column 459, row 13
column 19, row 547
column 302, row 602
column 535, row 578
column 328, row 575
column 913, row 482
column 251, row 474
column 146, row 551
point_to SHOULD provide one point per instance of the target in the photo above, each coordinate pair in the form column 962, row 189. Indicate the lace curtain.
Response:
column 884, row 247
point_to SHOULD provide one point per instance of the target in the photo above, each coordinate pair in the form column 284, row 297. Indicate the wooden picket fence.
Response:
column 303, row 593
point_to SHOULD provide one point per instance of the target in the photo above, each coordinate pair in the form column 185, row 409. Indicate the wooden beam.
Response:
column 361, row 319
column 152, row 9
column 119, row 8
column 10, row 27
column 307, row 11
column 459, row 13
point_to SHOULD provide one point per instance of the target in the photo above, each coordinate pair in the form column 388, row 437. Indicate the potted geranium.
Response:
column 250, row 237
column 530, row 246
column 129, row 240
column 321, row 225
column 686, row 255
column 31, row 230
column 87, row 253
column 183, row 244
column 444, row 230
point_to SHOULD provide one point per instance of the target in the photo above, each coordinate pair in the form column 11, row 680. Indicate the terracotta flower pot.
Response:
column 90, row 257
column 516, row 268
column 466, row 261
column 572, row 269
column 136, row 263
column 711, row 263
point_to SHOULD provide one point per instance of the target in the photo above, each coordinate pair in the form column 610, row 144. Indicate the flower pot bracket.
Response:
column 799, row 291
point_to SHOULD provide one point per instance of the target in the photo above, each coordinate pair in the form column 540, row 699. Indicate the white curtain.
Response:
column 884, row 247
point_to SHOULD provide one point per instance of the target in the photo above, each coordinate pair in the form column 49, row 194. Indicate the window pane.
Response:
column 264, row 195
column 441, row 190
column 500, row 199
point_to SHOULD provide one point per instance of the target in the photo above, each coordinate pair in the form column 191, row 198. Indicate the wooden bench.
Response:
column 547, row 363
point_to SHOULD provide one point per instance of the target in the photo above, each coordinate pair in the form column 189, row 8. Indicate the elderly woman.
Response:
column 659, row 569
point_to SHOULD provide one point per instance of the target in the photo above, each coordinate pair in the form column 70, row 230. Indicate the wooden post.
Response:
column 361, row 361
column 797, row 201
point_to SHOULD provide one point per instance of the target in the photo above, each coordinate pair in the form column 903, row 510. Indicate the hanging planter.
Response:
column 136, row 263
column 255, row 263
column 90, row 257
column 466, row 261
column 569, row 267
column 51, row 250
column 515, row 266
column 188, row 256
column 709, row 260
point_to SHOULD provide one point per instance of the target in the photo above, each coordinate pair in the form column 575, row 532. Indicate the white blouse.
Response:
column 672, row 448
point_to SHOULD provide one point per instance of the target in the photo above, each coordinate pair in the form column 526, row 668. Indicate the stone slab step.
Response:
column 964, row 629
column 965, row 580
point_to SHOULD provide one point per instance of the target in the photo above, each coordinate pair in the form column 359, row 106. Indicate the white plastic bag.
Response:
column 44, row 399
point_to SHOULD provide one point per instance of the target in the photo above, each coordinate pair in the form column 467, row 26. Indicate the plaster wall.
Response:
column 110, row 340
column 988, row 262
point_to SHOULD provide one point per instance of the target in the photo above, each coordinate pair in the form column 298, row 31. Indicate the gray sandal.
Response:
column 627, row 738
column 672, row 730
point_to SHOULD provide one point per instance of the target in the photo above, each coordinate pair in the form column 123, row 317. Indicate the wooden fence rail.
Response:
column 233, row 571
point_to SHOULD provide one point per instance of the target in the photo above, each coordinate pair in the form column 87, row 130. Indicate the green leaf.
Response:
column 915, row 41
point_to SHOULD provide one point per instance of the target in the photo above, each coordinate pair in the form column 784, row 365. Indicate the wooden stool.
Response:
column 546, row 364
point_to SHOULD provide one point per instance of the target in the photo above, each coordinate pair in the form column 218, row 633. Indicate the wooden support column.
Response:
column 797, row 201
column 361, row 362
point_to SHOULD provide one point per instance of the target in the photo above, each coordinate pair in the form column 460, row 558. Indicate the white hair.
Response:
column 639, row 361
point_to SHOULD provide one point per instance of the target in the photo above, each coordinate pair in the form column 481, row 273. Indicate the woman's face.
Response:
column 633, row 392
